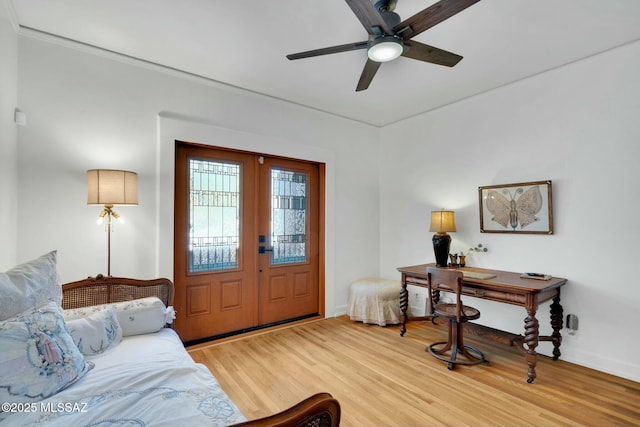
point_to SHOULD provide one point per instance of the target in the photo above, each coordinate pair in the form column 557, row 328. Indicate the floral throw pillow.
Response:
column 38, row 357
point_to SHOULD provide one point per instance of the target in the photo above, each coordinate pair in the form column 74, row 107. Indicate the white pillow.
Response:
column 136, row 317
column 96, row 333
column 28, row 285
column 38, row 357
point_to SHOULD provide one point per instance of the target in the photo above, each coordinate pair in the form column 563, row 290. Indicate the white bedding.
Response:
column 146, row 380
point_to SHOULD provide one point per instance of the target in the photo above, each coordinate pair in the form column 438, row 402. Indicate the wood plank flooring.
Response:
column 382, row 379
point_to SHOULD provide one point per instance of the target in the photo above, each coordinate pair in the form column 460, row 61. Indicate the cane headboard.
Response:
column 108, row 289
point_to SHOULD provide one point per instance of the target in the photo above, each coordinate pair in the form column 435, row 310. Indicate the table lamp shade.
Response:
column 441, row 222
column 112, row 187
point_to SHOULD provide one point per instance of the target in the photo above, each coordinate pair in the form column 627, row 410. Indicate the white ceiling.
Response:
column 243, row 43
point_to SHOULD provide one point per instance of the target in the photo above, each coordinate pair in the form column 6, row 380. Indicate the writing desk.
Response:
column 505, row 287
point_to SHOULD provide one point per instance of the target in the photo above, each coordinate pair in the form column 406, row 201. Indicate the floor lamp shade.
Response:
column 112, row 187
column 441, row 222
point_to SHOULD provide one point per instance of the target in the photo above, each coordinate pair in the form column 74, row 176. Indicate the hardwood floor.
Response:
column 382, row 379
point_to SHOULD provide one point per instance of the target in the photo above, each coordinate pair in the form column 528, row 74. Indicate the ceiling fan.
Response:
column 390, row 38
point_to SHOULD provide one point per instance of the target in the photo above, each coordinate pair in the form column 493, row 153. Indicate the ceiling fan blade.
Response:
column 426, row 53
column 433, row 15
column 369, row 16
column 329, row 50
column 369, row 71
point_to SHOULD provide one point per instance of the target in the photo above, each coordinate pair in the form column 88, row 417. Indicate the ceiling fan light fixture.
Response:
column 385, row 48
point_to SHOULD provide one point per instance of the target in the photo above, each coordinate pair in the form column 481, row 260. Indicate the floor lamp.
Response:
column 111, row 188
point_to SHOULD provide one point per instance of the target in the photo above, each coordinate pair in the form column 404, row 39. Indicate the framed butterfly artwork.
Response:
column 524, row 208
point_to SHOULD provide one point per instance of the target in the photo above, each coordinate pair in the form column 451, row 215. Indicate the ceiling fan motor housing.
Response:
column 391, row 18
column 385, row 5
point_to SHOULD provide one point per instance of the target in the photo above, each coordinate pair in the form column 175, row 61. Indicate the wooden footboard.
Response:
column 319, row 410
column 104, row 290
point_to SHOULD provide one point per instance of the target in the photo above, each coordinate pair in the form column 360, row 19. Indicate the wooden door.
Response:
column 215, row 254
column 228, row 205
column 289, row 235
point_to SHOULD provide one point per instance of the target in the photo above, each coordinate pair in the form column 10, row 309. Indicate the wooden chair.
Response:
column 457, row 314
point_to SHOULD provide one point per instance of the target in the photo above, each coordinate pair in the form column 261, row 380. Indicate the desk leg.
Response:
column 404, row 305
column 556, row 324
column 531, row 334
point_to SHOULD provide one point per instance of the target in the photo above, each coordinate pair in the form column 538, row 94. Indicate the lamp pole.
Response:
column 110, row 214
column 108, row 241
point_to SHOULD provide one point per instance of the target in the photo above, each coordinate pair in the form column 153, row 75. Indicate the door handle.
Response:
column 262, row 249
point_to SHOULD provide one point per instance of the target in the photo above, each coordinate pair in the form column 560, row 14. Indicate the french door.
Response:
column 247, row 240
column 288, row 225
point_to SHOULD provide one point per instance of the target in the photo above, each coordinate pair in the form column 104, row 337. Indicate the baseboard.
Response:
column 417, row 310
column 598, row 363
column 340, row 310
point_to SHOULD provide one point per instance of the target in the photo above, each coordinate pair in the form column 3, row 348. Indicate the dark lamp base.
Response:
column 441, row 244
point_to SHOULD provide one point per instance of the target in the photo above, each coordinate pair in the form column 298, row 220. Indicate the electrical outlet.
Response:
column 572, row 322
column 446, row 300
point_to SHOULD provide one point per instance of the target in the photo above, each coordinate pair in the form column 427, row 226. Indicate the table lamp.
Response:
column 110, row 188
column 441, row 222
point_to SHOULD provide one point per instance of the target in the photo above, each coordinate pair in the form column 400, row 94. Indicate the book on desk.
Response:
column 535, row 276
column 477, row 275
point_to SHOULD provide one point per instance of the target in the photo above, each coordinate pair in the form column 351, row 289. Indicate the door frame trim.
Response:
column 173, row 126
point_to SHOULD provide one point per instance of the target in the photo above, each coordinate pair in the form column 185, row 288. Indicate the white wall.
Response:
column 577, row 126
column 93, row 110
column 8, row 141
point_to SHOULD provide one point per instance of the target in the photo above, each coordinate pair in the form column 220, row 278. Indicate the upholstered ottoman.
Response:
column 375, row 301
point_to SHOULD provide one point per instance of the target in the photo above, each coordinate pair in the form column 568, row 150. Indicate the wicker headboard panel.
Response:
column 102, row 290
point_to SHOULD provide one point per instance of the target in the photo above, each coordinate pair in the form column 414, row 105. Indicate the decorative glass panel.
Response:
column 288, row 216
column 214, row 215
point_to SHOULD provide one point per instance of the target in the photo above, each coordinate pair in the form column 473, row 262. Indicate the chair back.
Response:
column 440, row 279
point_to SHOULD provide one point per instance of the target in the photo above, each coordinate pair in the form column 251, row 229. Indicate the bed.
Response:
column 124, row 365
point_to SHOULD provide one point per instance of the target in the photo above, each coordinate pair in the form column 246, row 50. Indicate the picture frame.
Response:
column 521, row 208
